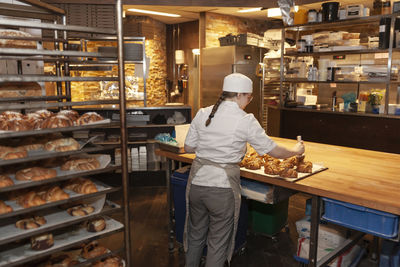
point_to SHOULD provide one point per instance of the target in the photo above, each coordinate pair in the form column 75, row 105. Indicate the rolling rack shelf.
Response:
column 67, row 230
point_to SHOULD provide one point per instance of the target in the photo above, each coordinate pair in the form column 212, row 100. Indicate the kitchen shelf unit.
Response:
column 62, row 58
column 385, row 82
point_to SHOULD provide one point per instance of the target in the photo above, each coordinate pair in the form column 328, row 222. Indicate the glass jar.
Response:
column 312, row 16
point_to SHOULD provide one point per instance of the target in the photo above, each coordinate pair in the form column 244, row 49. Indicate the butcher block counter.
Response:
column 362, row 177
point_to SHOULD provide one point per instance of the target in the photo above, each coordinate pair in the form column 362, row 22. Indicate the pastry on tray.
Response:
column 58, row 121
column 35, row 174
column 81, row 186
column 54, row 193
column 8, row 153
column 44, row 113
column 92, row 250
column 16, row 124
column 30, row 199
column 31, row 223
column 5, row 181
column 89, row 117
column 4, row 208
column 305, row 166
column 72, row 114
column 96, row 225
column 42, row 242
column 109, row 262
column 81, row 164
column 288, row 173
column 62, row 260
column 62, row 145
column 80, row 210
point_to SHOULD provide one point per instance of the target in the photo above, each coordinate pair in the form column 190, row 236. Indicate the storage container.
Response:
column 268, row 219
column 227, row 40
column 360, row 218
column 247, row 39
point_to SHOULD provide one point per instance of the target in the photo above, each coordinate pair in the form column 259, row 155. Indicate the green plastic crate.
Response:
column 268, row 219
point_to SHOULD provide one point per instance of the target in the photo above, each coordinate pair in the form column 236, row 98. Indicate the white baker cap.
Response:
column 237, row 83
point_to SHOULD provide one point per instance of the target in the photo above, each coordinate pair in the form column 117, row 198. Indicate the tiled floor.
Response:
column 150, row 235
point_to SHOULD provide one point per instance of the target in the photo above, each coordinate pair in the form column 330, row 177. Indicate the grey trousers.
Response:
column 211, row 213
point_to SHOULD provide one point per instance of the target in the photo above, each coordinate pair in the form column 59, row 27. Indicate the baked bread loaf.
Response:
column 60, row 261
column 30, row 199
column 5, row 181
column 62, row 145
column 44, row 113
column 8, row 153
column 289, row 162
column 16, row 43
column 81, row 186
column 10, row 115
column 42, row 242
column 32, row 147
column 34, row 119
column 83, row 164
column 58, row 121
column 30, row 223
column 92, row 250
column 81, row 210
column 16, row 124
column 4, row 208
column 305, row 166
column 109, row 262
column 54, row 193
column 35, row 174
column 89, row 117
column 96, row 225
column 272, row 169
column 72, row 114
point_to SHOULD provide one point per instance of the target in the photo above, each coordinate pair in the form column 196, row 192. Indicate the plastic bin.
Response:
column 360, row 218
column 268, row 219
column 179, row 182
column 390, row 254
column 227, row 40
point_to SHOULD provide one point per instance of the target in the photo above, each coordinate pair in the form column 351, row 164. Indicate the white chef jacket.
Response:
column 224, row 140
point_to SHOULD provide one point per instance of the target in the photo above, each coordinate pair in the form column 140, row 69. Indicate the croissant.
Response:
column 30, row 199
column 55, row 193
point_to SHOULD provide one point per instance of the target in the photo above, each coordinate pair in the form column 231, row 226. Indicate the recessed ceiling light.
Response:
column 153, row 12
column 255, row 9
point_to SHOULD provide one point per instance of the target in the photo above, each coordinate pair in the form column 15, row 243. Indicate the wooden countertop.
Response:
column 362, row 177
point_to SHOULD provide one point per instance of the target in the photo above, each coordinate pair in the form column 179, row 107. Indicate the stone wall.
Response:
column 218, row 25
column 155, row 35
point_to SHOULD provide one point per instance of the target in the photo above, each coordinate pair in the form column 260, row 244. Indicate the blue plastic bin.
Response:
column 178, row 182
column 390, row 254
column 360, row 218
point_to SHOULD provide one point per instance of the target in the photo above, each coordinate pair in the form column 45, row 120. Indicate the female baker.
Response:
column 218, row 135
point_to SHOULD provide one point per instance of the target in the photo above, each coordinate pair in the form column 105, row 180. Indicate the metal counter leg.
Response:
column 315, row 216
column 171, row 233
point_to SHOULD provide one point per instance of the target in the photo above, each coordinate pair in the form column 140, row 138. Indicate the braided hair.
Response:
column 222, row 97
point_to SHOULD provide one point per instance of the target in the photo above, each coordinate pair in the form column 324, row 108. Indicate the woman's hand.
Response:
column 298, row 148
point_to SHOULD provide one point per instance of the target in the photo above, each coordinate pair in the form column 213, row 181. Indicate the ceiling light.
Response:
column 153, row 12
column 249, row 10
column 276, row 12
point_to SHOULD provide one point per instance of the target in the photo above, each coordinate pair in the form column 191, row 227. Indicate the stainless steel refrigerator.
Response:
column 217, row 62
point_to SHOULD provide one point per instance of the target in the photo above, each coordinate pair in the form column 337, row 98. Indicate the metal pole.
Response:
column 124, row 134
column 58, row 67
column 66, row 64
column 315, row 216
column 170, row 209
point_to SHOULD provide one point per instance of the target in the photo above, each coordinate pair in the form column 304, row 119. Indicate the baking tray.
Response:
column 100, row 124
column 64, row 175
column 39, row 155
column 56, row 218
column 17, row 209
column 24, row 253
column 167, row 147
column 317, row 167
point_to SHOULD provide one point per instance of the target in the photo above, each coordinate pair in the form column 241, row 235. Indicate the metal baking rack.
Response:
column 58, row 178
column 54, row 20
column 40, row 155
column 57, row 130
column 68, row 220
column 63, row 241
column 18, row 210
